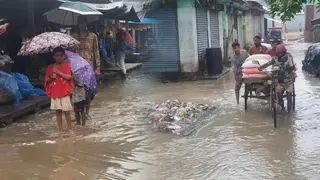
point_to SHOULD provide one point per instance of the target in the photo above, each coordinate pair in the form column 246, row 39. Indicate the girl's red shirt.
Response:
column 59, row 87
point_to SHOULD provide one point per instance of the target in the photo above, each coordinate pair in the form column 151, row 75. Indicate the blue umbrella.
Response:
column 82, row 70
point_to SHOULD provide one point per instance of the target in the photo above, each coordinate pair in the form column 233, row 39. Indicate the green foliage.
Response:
column 247, row 46
column 244, row 23
column 286, row 9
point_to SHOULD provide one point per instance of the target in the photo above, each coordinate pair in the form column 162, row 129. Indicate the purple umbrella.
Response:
column 82, row 70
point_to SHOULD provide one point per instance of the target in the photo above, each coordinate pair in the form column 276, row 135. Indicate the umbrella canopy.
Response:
column 3, row 28
column 67, row 14
column 115, row 9
column 82, row 70
column 46, row 42
column 79, row 8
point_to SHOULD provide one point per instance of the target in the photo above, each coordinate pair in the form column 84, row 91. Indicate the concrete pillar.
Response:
column 187, row 29
column 262, row 25
column 209, row 28
column 222, row 27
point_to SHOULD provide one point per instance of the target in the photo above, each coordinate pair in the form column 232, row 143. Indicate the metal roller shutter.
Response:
column 202, row 30
column 214, row 29
column 164, row 57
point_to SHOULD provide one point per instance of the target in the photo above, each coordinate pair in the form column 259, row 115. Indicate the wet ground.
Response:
column 118, row 143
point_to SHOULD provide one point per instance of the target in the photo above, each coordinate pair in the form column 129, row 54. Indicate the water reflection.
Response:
column 118, row 143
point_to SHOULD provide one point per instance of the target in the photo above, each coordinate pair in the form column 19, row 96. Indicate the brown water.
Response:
column 118, row 143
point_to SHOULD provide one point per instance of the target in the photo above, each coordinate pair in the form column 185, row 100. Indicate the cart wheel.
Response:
column 274, row 106
column 246, row 97
column 289, row 102
column 294, row 99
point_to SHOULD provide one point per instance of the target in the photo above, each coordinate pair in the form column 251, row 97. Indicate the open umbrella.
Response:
column 67, row 14
column 82, row 70
column 46, row 42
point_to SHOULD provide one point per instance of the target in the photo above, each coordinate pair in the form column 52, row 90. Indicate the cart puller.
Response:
column 286, row 73
column 238, row 57
column 272, row 52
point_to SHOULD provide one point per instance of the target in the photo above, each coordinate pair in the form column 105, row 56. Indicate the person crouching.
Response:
column 58, row 87
column 79, row 101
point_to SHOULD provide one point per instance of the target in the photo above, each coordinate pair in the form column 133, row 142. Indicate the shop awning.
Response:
column 146, row 21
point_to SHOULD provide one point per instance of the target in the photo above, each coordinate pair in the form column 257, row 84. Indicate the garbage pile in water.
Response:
column 179, row 118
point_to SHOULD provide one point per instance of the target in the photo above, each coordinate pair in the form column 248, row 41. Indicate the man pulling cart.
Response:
column 270, row 78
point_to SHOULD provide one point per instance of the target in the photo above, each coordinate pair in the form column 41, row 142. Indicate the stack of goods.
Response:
column 5, row 63
column 15, row 87
column 251, row 68
column 176, row 117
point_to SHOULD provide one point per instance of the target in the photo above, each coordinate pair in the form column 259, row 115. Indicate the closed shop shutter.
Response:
column 202, row 32
column 164, row 51
column 214, row 29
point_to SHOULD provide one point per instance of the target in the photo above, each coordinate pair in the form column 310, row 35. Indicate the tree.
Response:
column 286, row 9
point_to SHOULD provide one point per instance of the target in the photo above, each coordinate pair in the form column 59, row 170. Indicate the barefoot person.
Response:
column 58, row 87
column 285, row 75
column 79, row 101
column 237, row 59
column 89, row 51
column 121, row 51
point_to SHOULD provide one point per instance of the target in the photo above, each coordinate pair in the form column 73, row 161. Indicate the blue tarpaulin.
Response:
column 19, row 86
column 9, row 83
column 146, row 21
column 25, row 87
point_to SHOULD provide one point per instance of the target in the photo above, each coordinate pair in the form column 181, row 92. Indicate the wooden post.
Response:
column 134, row 36
column 31, row 23
column 127, row 26
column 117, row 24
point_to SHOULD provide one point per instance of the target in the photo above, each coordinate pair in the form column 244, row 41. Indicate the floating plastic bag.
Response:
column 9, row 83
column 25, row 87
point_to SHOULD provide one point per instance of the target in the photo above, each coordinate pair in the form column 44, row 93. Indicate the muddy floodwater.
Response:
column 118, row 142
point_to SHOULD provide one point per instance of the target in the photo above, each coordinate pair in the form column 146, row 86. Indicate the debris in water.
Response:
column 178, row 117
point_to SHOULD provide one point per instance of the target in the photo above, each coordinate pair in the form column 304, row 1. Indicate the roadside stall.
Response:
column 116, row 15
column 18, row 94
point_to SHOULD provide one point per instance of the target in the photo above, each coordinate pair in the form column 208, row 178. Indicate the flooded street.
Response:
column 118, row 142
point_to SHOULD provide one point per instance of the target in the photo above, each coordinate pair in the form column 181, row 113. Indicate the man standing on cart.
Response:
column 257, row 48
column 286, row 76
column 237, row 58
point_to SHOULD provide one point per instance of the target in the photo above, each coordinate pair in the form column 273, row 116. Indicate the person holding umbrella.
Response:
column 58, row 85
column 88, row 49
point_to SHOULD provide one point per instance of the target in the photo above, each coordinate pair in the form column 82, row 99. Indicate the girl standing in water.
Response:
column 58, row 85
